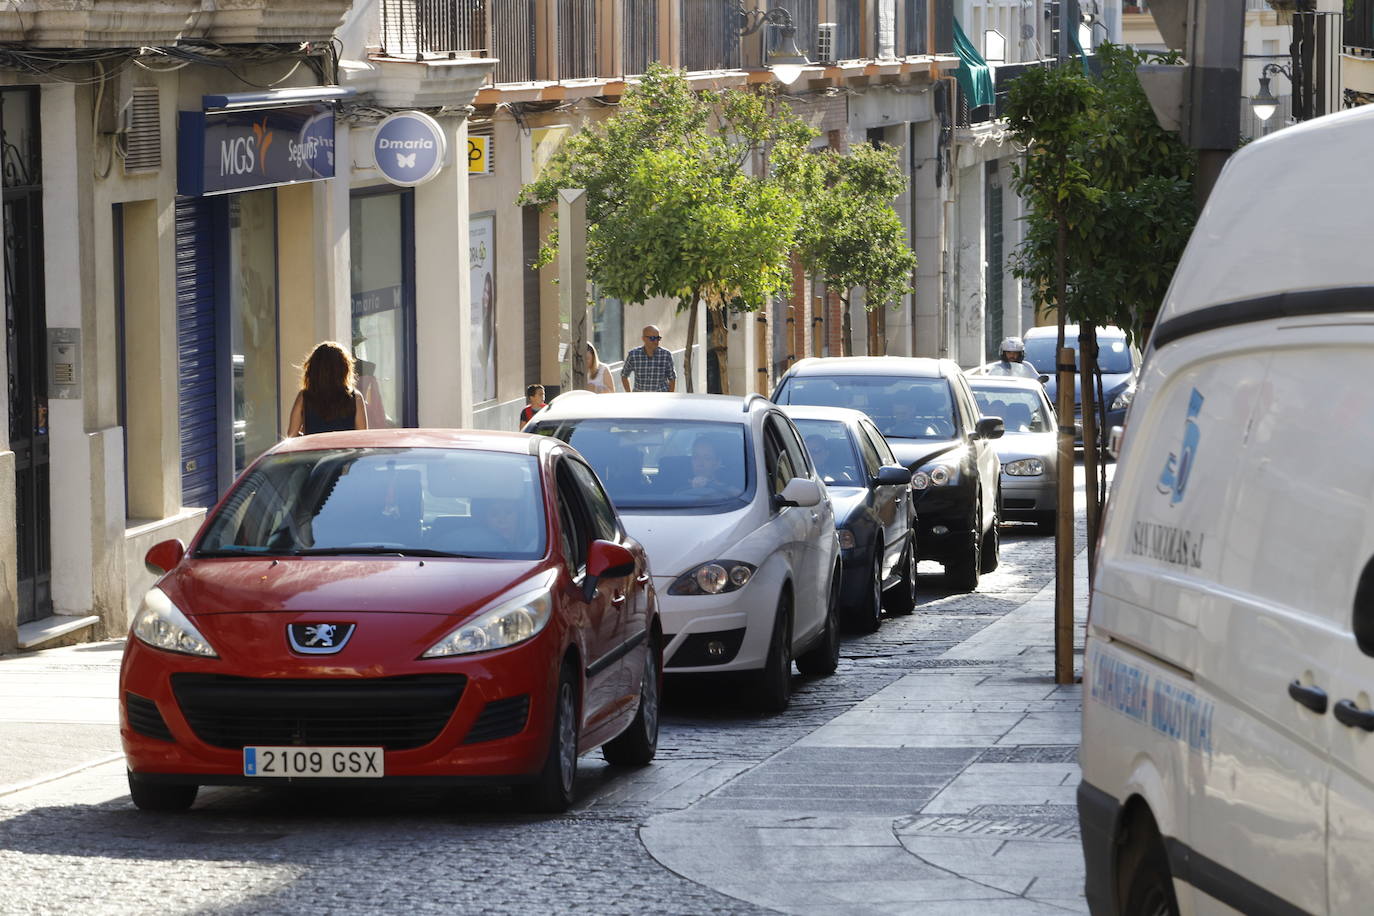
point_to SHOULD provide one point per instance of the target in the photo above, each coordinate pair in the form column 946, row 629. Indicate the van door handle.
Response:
column 618, row 598
column 1313, row 697
column 1352, row 716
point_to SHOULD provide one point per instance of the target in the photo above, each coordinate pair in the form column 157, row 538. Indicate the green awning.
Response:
column 974, row 74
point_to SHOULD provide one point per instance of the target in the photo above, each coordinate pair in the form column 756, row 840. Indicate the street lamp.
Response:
column 786, row 60
column 1263, row 103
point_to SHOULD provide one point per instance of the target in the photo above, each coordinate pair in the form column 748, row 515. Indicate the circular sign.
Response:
column 409, row 148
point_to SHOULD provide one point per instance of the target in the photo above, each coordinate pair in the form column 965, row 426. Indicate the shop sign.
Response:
column 409, row 148
column 219, row 152
column 479, row 154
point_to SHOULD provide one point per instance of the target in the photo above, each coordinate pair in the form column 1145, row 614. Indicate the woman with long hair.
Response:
column 328, row 400
column 598, row 376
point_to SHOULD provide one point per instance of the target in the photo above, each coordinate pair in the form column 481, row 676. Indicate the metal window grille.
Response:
column 419, row 28
column 711, row 39
column 1359, row 25
column 847, row 35
column 641, row 35
column 143, row 132
column 916, row 33
column 576, row 39
column 512, row 33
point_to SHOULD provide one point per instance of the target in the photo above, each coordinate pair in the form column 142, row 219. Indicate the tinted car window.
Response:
column 666, row 463
column 792, row 443
column 902, row 407
column 602, row 516
column 571, row 521
column 1113, row 354
column 831, row 451
column 464, row 502
column 776, row 460
column 1021, row 411
column 880, row 444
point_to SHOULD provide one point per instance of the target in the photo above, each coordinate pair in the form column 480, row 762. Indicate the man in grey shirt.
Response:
column 651, row 365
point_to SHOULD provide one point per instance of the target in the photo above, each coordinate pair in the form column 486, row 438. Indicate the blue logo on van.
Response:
column 1174, row 480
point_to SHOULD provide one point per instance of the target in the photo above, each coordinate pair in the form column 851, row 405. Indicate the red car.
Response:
column 414, row 607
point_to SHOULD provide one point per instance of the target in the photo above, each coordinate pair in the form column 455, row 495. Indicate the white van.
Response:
column 1228, row 727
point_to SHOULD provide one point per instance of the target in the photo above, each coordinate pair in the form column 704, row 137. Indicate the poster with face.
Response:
column 482, row 316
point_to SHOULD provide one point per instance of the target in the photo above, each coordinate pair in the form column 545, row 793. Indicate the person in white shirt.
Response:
column 598, row 376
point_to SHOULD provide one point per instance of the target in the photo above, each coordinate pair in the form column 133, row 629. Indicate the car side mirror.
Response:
column 800, row 491
column 1044, row 379
column 892, row 475
column 606, row 560
column 163, row 556
column 989, row 428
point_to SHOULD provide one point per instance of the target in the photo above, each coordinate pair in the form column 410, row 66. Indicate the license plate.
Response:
column 301, row 762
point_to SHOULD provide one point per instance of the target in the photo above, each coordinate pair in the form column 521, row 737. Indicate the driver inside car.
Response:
column 706, row 466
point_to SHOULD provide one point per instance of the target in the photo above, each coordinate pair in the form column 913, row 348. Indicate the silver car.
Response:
column 1027, row 450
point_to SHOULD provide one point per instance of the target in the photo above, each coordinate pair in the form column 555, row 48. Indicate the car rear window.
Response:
column 901, row 407
column 1021, row 411
column 1113, row 354
column 424, row 501
column 662, row 463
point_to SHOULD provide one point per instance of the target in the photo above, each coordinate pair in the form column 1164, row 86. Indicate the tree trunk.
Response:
column 1087, row 369
column 691, row 339
column 846, row 326
column 1063, row 537
column 717, row 323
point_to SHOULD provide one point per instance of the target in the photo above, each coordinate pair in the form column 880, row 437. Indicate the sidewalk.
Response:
column 58, row 712
column 952, row 789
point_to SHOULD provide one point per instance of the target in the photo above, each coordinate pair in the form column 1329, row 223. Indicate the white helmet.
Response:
column 1013, row 344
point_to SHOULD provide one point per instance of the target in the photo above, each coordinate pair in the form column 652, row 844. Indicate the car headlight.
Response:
column 1024, row 467
column 934, row 475
column 846, row 538
column 714, row 578
column 1123, row 399
column 512, row 621
column 159, row 623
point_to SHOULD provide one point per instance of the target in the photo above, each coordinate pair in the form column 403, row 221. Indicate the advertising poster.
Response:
column 481, row 264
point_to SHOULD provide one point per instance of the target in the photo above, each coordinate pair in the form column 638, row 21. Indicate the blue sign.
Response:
column 219, row 152
column 409, row 148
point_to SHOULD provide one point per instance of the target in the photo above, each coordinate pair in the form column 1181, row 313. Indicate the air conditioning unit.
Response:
column 827, row 40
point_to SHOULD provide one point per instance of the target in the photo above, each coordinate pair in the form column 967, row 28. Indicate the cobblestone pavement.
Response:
column 78, row 845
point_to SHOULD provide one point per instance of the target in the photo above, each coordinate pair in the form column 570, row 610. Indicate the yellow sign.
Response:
column 544, row 142
column 479, row 155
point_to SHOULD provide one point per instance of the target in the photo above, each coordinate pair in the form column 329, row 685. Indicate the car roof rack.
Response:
column 749, row 400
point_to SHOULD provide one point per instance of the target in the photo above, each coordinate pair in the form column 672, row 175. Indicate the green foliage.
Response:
column 850, row 234
column 673, row 208
column 1098, row 163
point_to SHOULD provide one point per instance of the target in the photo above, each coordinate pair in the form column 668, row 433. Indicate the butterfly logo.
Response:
column 405, row 162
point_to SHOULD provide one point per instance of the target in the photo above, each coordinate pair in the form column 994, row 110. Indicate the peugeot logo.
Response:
column 318, row 638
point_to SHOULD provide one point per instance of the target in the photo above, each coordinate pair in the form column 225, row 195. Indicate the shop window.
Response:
column 253, row 324
column 608, row 327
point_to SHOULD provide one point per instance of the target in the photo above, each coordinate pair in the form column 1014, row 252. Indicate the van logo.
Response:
column 1173, row 481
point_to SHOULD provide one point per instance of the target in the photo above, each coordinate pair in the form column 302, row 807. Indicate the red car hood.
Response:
column 367, row 584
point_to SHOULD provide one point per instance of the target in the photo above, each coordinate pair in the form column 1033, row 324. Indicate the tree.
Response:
column 678, row 201
column 850, row 235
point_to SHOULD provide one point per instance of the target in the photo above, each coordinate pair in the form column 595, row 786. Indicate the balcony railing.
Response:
column 711, row 40
column 1359, row 25
column 576, row 39
column 429, row 28
column 1003, row 76
column 916, row 38
column 512, row 29
column 640, row 38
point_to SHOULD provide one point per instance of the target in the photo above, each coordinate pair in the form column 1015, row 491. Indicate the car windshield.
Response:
column 652, row 463
column 901, row 407
column 1021, row 411
column 1113, row 353
column 413, row 502
column 832, row 451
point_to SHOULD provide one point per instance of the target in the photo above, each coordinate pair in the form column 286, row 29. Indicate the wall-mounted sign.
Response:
column 479, row 155
column 219, row 152
column 409, row 148
column 542, row 143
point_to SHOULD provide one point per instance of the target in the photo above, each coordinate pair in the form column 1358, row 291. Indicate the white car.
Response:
column 737, row 523
column 1228, row 683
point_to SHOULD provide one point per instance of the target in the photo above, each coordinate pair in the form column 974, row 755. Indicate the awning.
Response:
column 974, row 74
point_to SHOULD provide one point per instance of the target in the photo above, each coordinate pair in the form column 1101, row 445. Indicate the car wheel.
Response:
column 901, row 599
column 636, row 745
column 962, row 573
column 153, row 796
column 1047, row 523
column 868, row 615
column 553, row 789
column 990, row 550
column 824, row 657
column 1147, row 887
column 775, row 680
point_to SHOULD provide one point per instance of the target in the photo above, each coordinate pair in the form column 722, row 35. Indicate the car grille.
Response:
column 396, row 713
column 500, row 719
column 144, row 717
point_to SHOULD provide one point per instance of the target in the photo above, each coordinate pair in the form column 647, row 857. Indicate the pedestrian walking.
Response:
column 650, row 364
column 328, row 400
column 598, row 376
column 534, row 402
